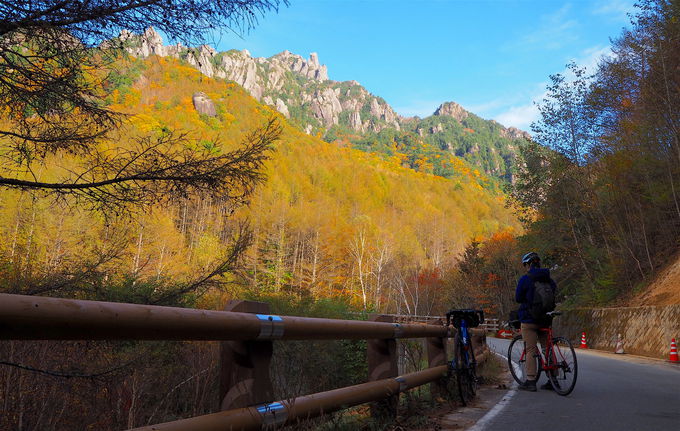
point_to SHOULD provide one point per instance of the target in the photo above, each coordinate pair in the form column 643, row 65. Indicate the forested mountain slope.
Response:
column 329, row 221
column 301, row 90
column 663, row 289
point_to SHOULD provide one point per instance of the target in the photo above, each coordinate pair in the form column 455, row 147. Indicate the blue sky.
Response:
column 491, row 56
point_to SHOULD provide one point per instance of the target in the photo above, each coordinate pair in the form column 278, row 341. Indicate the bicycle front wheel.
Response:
column 517, row 360
column 562, row 366
column 466, row 373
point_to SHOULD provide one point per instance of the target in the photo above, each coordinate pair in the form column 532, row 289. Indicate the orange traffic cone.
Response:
column 583, row 341
column 674, row 352
column 619, row 345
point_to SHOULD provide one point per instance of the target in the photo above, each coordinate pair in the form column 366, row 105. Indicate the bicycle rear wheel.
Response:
column 517, row 360
column 466, row 372
column 563, row 357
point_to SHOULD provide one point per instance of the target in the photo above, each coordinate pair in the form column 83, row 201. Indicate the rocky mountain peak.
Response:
column 515, row 133
column 151, row 43
column 284, row 81
column 147, row 44
column 310, row 68
column 452, row 109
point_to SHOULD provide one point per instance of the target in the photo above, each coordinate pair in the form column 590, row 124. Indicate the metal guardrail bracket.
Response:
column 273, row 414
column 398, row 331
column 272, row 327
column 402, row 384
column 245, row 365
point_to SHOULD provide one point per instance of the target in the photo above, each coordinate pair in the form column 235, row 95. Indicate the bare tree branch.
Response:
column 54, row 57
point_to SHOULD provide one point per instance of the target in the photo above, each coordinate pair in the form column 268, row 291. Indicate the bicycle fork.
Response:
column 467, row 350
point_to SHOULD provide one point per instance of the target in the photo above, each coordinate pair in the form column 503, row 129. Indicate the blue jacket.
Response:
column 524, row 294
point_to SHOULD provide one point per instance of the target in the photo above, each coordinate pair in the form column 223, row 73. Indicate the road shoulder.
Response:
column 489, row 397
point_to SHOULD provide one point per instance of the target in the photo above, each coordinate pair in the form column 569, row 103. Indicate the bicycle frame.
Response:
column 465, row 343
column 549, row 350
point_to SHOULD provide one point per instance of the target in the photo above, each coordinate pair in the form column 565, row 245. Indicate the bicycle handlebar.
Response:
column 466, row 313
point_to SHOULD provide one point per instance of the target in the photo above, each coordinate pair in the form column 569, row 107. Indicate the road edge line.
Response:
column 500, row 405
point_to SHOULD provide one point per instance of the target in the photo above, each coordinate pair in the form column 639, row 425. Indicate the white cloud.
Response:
column 513, row 110
column 520, row 116
column 554, row 31
column 485, row 108
column 615, row 10
column 421, row 108
column 590, row 57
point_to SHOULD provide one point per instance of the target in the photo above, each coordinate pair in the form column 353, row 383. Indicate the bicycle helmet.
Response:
column 530, row 257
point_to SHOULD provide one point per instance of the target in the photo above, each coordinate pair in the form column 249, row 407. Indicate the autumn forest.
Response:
column 143, row 180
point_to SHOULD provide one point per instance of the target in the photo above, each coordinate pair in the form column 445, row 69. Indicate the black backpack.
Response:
column 544, row 299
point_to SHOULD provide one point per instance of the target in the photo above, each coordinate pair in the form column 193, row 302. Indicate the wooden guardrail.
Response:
column 246, row 330
column 491, row 325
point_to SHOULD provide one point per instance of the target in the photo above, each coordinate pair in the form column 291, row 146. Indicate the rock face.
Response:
column 283, row 81
column 241, row 68
column 203, row 104
column 326, row 106
column 310, row 69
column 201, row 59
column 515, row 133
column 452, row 109
column 147, row 44
column 282, row 108
column 436, row 129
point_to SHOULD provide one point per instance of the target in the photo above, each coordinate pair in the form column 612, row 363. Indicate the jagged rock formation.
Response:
column 515, row 133
column 203, row 104
column 284, row 81
column 452, row 109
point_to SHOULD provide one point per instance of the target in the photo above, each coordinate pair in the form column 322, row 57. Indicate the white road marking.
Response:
column 491, row 414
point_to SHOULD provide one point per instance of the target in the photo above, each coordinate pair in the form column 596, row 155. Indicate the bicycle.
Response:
column 463, row 363
column 558, row 360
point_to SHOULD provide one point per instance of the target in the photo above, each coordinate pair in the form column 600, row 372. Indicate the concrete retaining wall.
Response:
column 646, row 331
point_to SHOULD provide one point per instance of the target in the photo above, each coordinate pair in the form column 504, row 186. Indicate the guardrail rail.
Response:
column 247, row 330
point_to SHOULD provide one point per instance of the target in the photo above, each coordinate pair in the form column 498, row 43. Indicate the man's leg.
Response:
column 530, row 337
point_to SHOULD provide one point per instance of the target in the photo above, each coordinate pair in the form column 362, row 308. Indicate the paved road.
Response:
column 613, row 392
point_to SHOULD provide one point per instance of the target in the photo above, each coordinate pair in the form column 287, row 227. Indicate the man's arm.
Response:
column 520, row 292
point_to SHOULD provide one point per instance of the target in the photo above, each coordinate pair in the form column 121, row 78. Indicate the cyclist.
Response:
column 524, row 294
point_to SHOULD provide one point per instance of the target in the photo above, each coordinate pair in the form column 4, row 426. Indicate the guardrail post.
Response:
column 382, row 364
column 436, row 356
column 478, row 340
column 244, row 365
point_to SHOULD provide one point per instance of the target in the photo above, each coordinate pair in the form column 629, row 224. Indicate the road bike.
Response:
column 557, row 360
column 463, row 364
